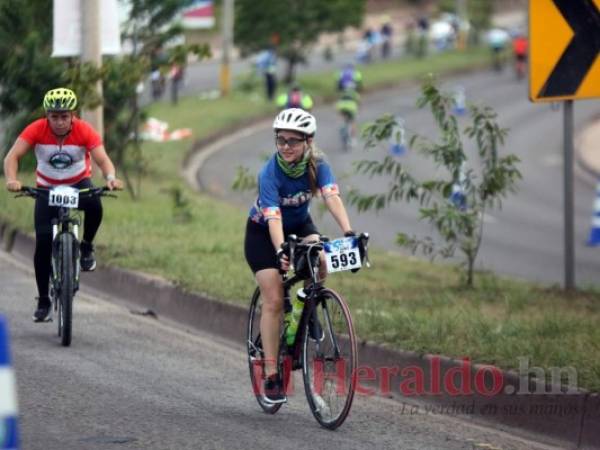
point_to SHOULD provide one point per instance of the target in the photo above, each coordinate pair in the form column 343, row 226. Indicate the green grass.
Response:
column 403, row 302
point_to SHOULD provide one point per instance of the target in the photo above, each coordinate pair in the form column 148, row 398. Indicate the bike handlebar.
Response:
column 35, row 192
column 292, row 245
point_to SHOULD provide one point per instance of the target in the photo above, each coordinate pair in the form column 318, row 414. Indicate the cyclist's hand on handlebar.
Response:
column 114, row 184
column 283, row 260
column 361, row 247
column 13, row 185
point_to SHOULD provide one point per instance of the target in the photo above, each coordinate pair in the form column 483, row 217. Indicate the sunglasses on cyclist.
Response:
column 280, row 141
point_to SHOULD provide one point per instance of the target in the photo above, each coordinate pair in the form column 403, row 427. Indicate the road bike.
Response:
column 346, row 133
column 325, row 344
column 520, row 67
column 64, row 276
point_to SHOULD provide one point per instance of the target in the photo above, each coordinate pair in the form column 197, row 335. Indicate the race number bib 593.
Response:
column 342, row 254
column 64, row 196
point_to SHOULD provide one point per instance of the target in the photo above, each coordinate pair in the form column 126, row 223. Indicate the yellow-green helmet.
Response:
column 60, row 99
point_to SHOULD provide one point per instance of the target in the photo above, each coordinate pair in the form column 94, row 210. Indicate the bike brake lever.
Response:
column 365, row 242
column 292, row 240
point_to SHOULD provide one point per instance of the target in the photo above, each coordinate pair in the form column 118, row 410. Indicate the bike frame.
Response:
column 65, row 223
column 313, row 291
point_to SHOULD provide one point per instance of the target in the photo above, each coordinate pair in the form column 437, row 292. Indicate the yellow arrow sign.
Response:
column 565, row 49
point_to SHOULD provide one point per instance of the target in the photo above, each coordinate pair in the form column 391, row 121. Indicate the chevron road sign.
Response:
column 565, row 48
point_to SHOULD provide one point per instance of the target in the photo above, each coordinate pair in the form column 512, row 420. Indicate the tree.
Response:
column 27, row 70
column 476, row 189
column 291, row 26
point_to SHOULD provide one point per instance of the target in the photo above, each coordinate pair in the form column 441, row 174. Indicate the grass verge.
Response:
column 196, row 242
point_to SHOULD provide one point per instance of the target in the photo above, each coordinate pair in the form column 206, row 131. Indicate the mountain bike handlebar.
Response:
column 35, row 192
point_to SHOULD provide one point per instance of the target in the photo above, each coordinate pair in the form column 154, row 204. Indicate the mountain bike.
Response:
column 64, row 276
column 325, row 343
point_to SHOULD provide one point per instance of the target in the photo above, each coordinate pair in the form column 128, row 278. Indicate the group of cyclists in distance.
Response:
column 348, row 83
column 64, row 145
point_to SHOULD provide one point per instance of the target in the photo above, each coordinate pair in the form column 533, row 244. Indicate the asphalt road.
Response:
column 524, row 239
column 133, row 382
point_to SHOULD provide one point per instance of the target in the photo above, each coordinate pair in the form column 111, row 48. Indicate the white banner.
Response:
column 67, row 28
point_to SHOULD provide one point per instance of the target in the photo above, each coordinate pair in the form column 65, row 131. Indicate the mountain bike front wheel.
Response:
column 329, row 359
column 65, row 297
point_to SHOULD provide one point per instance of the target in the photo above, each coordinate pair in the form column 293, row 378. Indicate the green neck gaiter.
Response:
column 294, row 170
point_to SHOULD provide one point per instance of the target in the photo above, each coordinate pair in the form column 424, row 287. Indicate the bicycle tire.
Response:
column 256, row 356
column 336, row 347
column 345, row 136
column 67, row 275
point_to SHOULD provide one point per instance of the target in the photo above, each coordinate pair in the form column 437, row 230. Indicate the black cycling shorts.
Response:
column 258, row 248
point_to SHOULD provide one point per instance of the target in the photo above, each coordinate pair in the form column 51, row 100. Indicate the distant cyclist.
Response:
column 286, row 184
column 520, row 48
column 347, row 106
column 295, row 98
column 349, row 77
column 64, row 146
column 498, row 39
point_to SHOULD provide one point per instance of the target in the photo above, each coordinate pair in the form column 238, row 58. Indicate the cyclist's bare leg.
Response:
column 271, row 291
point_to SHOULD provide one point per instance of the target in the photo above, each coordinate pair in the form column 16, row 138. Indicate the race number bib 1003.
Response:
column 342, row 254
column 64, row 196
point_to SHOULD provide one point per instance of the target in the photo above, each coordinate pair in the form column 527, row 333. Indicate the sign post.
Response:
column 569, row 196
column 564, row 65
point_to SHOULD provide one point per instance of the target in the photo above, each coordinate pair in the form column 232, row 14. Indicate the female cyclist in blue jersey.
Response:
column 286, row 184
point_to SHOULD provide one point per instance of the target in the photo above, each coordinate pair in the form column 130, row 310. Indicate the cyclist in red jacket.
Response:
column 520, row 48
column 64, row 146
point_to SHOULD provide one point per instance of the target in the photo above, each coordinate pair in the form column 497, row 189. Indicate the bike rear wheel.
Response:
column 66, row 291
column 256, row 356
column 329, row 360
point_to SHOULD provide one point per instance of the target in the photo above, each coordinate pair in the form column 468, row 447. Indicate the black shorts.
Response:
column 259, row 249
column 43, row 214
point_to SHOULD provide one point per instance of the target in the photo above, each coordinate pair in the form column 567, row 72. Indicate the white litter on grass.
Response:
column 368, row 312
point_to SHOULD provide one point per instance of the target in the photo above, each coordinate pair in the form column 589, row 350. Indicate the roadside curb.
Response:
column 566, row 419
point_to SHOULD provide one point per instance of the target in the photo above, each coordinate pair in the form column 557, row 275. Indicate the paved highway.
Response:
column 134, row 382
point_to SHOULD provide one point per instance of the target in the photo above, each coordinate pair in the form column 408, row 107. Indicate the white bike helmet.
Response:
column 295, row 119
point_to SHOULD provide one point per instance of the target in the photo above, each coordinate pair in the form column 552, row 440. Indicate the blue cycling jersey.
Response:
column 286, row 198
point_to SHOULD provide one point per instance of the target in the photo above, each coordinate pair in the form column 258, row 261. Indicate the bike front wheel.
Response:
column 66, row 263
column 329, row 360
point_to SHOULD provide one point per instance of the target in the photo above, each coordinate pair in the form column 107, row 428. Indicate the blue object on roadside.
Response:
column 458, row 197
column 594, row 238
column 460, row 101
column 397, row 140
column 397, row 149
column 9, row 438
